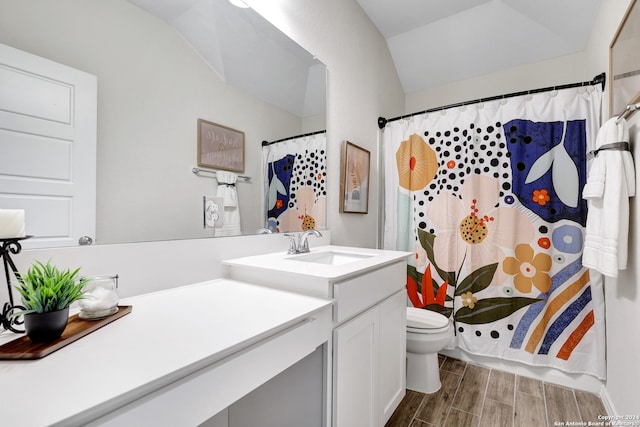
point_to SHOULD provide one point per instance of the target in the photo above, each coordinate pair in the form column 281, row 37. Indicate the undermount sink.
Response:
column 330, row 258
column 312, row 273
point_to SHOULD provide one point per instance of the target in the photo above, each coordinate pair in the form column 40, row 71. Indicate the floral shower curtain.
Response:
column 295, row 183
column 489, row 197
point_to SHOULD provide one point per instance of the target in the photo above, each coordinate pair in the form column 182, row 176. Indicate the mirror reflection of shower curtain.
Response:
column 489, row 197
column 295, row 183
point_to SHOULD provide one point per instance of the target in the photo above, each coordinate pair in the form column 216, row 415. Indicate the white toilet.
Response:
column 428, row 332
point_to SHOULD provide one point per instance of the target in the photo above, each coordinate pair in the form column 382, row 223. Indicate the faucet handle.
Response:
column 293, row 247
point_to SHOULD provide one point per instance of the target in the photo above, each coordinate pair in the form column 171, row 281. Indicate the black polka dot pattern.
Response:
column 309, row 170
column 462, row 151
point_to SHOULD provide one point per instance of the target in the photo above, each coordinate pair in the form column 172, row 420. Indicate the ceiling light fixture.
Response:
column 239, row 3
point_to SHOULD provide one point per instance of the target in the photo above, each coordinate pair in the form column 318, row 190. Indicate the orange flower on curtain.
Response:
column 541, row 197
column 417, row 163
column 529, row 269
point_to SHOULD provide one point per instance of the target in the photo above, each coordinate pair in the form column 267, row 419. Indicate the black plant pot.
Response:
column 46, row 327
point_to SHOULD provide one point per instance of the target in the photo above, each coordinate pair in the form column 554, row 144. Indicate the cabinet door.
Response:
column 355, row 371
column 393, row 343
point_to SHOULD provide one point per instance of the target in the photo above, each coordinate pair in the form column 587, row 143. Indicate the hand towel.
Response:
column 227, row 191
column 610, row 183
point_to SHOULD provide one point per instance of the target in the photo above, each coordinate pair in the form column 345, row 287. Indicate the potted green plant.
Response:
column 47, row 293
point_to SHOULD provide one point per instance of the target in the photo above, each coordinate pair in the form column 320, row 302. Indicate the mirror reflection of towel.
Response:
column 227, row 190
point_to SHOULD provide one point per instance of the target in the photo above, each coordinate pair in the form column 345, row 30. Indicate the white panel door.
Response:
column 48, row 115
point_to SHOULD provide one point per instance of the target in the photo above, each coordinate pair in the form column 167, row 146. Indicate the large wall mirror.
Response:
column 160, row 67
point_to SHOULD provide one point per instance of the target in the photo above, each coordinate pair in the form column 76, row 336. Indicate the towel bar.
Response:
column 198, row 171
column 628, row 111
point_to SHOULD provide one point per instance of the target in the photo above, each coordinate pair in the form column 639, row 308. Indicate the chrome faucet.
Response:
column 303, row 246
column 298, row 244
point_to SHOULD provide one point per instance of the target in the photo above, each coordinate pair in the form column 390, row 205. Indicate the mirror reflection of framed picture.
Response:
column 220, row 147
column 624, row 62
column 354, row 179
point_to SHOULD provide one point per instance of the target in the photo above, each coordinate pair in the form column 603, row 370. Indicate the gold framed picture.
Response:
column 354, row 179
column 220, row 147
column 624, row 62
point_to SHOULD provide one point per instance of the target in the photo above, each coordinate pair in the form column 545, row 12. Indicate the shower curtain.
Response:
column 295, row 183
column 489, row 198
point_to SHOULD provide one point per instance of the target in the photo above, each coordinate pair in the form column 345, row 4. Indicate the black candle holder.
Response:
column 9, row 246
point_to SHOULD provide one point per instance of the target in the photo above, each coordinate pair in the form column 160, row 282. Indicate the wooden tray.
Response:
column 23, row 349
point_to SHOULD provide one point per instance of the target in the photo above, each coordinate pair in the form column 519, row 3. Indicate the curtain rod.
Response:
column 265, row 143
column 599, row 79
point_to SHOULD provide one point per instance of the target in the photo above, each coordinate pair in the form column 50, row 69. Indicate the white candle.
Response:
column 11, row 223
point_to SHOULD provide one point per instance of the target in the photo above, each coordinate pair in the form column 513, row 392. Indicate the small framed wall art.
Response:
column 624, row 62
column 354, row 179
column 220, row 147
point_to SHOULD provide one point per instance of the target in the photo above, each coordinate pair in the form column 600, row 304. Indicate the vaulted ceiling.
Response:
column 434, row 42
column 247, row 52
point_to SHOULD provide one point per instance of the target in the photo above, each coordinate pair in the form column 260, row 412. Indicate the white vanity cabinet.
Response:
column 367, row 371
column 369, row 364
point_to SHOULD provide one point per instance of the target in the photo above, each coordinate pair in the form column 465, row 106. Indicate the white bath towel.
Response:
column 227, row 190
column 610, row 183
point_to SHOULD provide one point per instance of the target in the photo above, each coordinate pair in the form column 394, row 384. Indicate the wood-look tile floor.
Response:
column 474, row 396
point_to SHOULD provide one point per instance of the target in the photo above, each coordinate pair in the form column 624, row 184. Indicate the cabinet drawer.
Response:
column 355, row 295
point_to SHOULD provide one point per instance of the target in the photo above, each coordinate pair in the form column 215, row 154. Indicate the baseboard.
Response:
column 607, row 402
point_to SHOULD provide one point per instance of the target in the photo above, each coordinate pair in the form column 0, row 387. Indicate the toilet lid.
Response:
column 425, row 319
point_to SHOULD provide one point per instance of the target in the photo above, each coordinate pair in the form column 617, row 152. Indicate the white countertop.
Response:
column 168, row 335
column 285, row 263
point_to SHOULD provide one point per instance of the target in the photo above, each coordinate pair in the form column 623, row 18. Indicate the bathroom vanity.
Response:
column 366, row 368
column 180, row 357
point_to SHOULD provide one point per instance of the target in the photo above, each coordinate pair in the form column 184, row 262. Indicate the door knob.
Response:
column 85, row 240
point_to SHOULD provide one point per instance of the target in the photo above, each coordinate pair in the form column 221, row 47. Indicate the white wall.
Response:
column 556, row 71
column 621, row 295
column 152, row 88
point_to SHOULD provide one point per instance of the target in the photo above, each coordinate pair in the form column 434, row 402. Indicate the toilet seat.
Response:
column 425, row 321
